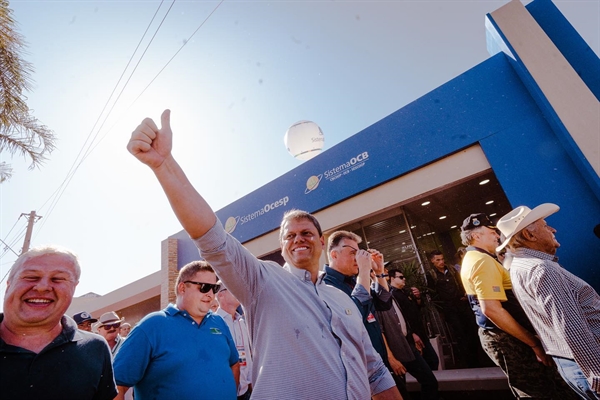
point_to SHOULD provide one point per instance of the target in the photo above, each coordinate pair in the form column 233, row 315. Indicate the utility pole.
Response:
column 32, row 217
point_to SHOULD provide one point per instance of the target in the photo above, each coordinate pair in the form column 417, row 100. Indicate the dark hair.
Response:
column 393, row 272
column 336, row 237
column 190, row 269
column 435, row 253
column 294, row 214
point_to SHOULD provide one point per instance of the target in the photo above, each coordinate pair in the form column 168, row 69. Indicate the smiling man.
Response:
column 308, row 336
column 564, row 309
column 42, row 353
column 184, row 351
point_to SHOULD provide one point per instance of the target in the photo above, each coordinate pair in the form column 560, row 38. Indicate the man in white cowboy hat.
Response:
column 108, row 327
column 564, row 309
column 505, row 332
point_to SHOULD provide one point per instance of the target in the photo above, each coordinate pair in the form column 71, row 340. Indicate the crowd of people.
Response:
column 302, row 333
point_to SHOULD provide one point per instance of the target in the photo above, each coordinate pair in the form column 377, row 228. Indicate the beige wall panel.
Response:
column 573, row 101
column 124, row 297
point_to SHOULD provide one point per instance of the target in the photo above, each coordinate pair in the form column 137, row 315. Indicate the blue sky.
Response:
column 251, row 71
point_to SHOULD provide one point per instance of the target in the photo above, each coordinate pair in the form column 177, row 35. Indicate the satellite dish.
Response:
column 304, row 140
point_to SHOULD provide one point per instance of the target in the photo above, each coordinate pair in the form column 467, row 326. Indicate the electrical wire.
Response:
column 8, row 248
column 4, row 277
column 92, row 146
column 159, row 72
column 13, row 227
column 75, row 166
column 15, row 240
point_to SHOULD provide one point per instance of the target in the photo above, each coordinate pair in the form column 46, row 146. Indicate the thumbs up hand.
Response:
column 152, row 145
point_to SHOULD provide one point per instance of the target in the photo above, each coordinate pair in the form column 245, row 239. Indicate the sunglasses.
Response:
column 401, row 277
column 111, row 326
column 205, row 287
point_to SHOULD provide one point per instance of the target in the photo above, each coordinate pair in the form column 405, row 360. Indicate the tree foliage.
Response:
column 20, row 132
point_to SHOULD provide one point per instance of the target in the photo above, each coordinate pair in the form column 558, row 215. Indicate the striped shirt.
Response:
column 564, row 309
column 309, row 340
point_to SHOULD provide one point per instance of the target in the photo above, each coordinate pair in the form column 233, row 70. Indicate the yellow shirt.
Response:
column 484, row 277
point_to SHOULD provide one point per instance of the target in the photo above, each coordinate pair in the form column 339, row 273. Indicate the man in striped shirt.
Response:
column 564, row 309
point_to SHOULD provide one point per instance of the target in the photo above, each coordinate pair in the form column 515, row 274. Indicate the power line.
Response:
column 91, row 148
column 14, row 241
column 123, row 89
column 5, row 275
column 159, row 72
column 75, row 166
column 177, row 52
column 8, row 247
column 13, row 227
column 120, row 78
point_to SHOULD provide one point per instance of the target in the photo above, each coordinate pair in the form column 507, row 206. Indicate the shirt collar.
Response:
column 338, row 276
column 70, row 330
column 69, row 333
column 224, row 314
column 473, row 248
column 172, row 310
column 523, row 251
column 301, row 274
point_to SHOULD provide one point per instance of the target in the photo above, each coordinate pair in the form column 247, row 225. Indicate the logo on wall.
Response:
column 335, row 173
column 231, row 223
column 312, row 183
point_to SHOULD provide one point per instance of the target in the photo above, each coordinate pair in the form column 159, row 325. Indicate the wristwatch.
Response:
column 381, row 276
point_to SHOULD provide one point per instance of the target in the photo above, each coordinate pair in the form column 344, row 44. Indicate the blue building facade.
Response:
column 538, row 148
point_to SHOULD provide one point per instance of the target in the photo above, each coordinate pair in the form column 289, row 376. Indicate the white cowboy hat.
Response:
column 520, row 218
column 109, row 318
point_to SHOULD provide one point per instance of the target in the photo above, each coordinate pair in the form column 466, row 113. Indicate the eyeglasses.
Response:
column 350, row 247
column 111, row 326
column 400, row 277
column 205, row 287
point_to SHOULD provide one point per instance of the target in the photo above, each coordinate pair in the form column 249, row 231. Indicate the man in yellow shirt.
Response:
column 504, row 330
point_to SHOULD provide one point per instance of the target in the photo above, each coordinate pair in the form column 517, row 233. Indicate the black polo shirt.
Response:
column 75, row 365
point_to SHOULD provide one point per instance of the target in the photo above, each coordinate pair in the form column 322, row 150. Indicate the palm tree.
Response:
column 20, row 132
column 5, row 171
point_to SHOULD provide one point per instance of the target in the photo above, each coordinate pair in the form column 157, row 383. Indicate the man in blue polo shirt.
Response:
column 184, row 351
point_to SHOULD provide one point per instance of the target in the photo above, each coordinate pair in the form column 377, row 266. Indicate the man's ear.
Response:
column 181, row 288
column 333, row 254
column 528, row 235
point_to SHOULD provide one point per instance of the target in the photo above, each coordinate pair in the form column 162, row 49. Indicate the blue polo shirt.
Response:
column 170, row 356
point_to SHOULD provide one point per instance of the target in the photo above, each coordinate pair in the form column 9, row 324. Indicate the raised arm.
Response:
column 152, row 146
column 382, row 298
